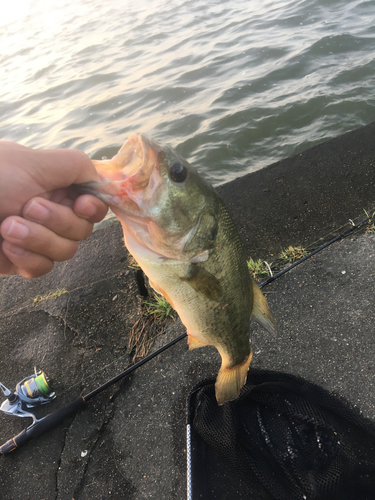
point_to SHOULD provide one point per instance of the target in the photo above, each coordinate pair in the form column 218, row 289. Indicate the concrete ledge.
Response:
column 300, row 199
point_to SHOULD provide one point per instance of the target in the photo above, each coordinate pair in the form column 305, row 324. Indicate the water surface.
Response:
column 233, row 85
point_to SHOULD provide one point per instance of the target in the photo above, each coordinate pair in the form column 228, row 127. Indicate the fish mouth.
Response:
column 131, row 159
column 126, row 176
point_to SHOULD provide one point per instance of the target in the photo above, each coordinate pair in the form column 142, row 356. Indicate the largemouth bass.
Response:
column 180, row 232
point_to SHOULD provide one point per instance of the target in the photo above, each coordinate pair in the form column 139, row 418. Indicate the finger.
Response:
column 62, row 167
column 60, row 219
column 90, row 208
column 41, row 171
column 38, row 239
column 6, row 266
column 25, row 263
column 57, row 195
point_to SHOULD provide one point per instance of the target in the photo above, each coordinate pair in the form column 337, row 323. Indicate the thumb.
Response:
column 59, row 168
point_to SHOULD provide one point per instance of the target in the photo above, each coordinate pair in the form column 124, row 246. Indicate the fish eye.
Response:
column 178, row 172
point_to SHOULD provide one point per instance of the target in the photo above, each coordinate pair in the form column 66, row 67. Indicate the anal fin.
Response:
column 261, row 311
column 229, row 381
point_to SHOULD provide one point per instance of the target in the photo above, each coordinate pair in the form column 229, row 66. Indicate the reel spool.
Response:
column 30, row 393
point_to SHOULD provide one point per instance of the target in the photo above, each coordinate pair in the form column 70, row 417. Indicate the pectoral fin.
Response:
column 261, row 312
column 203, row 282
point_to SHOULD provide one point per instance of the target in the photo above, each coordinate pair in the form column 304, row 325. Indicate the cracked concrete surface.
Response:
column 75, row 339
column 129, row 443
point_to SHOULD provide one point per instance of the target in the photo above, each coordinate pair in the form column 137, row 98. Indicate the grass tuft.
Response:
column 51, row 295
column 292, row 254
column 159, row 308
column 258, row 268
column 370, row 223
column 133, row 264
column 157, row 313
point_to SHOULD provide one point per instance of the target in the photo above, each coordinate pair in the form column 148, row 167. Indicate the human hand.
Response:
column 42, row 218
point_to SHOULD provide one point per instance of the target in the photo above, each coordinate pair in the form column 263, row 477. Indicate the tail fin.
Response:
column 229, row 381
column 261, row 311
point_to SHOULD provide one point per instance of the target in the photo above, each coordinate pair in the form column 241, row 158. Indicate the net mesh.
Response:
column 283, row 439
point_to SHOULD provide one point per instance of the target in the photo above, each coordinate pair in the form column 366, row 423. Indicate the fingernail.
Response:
column 17, row 230
column 13, row 248
column 36, row 211
column 87, row 210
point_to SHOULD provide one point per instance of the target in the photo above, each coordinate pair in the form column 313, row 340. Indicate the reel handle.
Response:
column 42, row 426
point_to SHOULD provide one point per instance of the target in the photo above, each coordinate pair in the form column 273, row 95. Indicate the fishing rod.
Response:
column 314, row 252
column 34, row 391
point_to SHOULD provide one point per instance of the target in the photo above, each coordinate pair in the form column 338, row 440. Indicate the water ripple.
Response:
column 233, row 85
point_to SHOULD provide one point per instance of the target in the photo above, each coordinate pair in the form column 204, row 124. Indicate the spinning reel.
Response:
column 30, row 393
